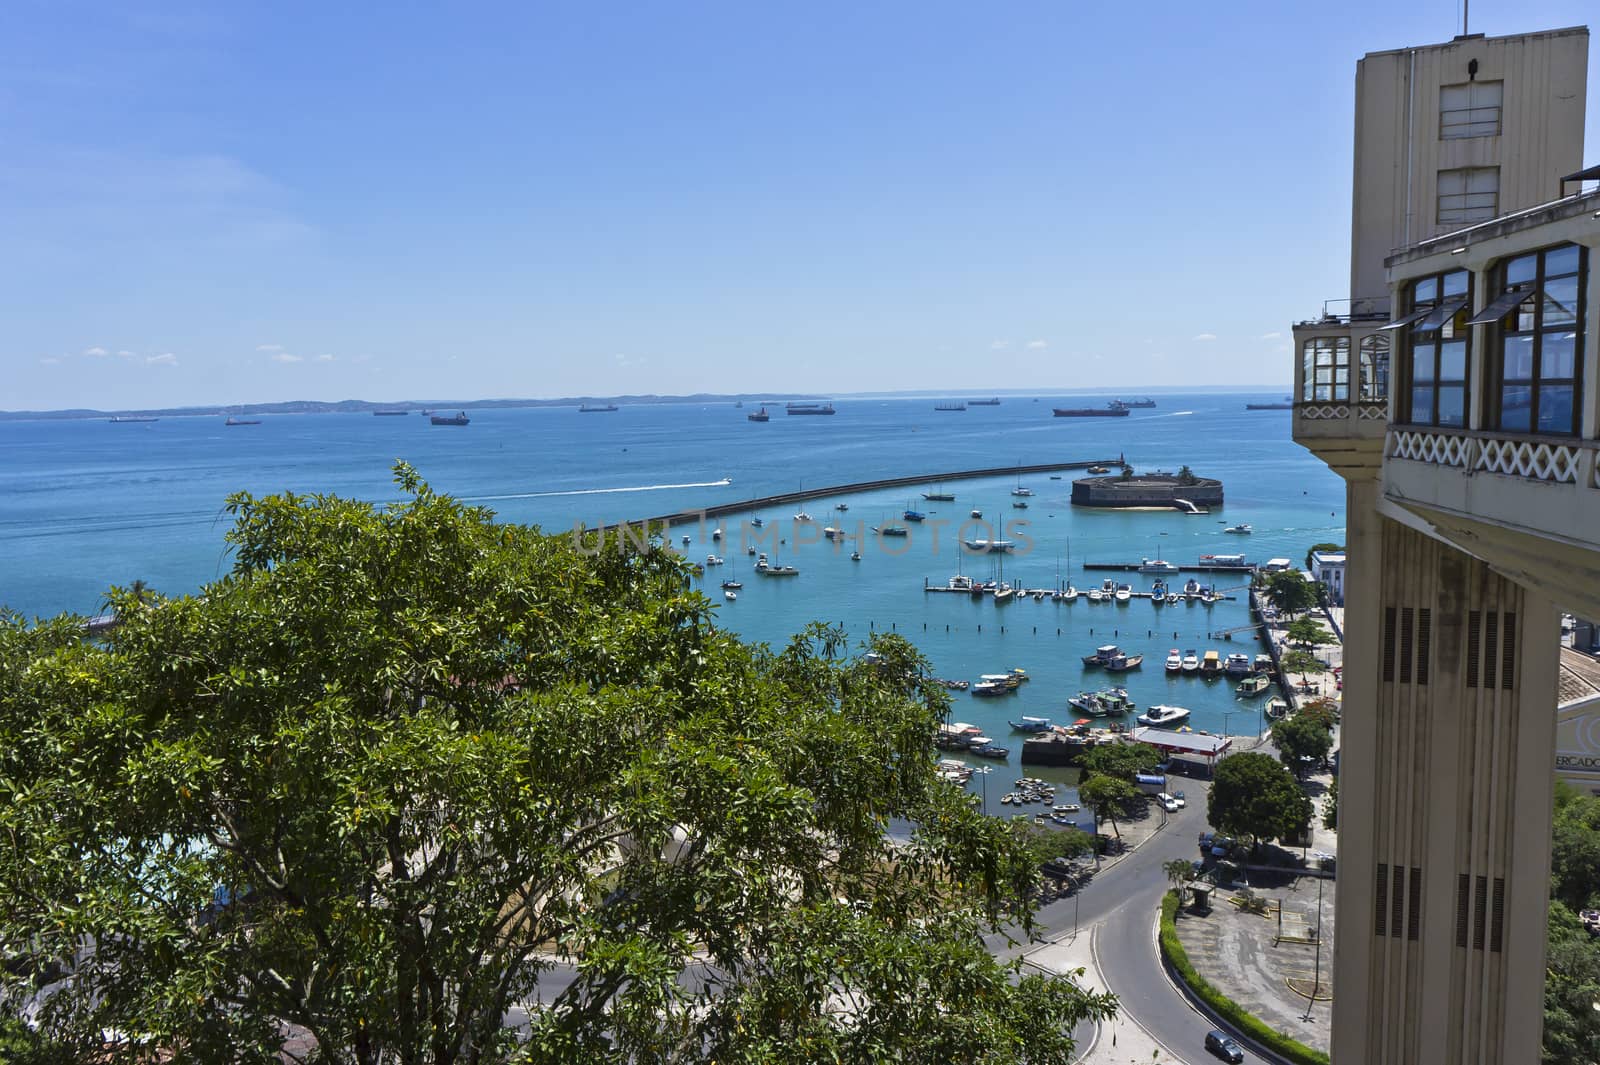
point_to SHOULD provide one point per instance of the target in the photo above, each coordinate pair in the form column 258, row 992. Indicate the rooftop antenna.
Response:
column 1465, row 5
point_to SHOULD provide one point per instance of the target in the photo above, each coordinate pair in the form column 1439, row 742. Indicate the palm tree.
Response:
column 1177, row 871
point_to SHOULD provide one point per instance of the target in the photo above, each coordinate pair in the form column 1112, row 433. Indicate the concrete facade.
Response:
column 1464, row 544
column 1327, row 569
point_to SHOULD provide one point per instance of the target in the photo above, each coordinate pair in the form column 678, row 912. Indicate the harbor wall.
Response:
column 1144, row 491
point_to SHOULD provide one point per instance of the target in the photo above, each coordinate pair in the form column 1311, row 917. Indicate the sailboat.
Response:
column 1020, row 490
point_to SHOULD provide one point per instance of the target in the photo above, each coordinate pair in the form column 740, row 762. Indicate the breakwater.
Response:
column 685, row 517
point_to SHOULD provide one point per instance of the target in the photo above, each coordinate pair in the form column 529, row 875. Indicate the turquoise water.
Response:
column 87, row 504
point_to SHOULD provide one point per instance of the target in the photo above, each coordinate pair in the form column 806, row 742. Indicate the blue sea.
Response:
column 88, row 504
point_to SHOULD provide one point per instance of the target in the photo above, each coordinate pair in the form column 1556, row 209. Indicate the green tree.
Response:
column 1324, row 711
column 1300, row 737
column 1121, row 760
column 1575, row 848
column 1178, row 872
column 1253, row 795
column 1289, row 591
column 1330, row 806
column 1105, row 796
column 1308, row 632
column 1044, row 843
column 1571, row 988
column 1127, row 472
column 1186, row 476
column 373, row 784
column 1301, row 662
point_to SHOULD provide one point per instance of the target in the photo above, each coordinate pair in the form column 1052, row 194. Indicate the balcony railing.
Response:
column 1363, row 411
column 1555, row 460
column 1346, row 311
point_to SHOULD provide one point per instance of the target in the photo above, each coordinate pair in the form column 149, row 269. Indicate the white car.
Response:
column 1168, row 803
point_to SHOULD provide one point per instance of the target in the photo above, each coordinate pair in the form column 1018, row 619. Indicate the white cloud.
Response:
column 127, row 354
column 164, row 359
column 1271, row 336
column 284, row 356
column 51, row 360
column 999, row 345
column 324, row 358
column 1037, row 345
column 269, row 347
column 96, row 351
column 1205, row 336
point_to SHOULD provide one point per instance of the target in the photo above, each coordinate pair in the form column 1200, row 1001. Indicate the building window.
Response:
column 1436, row 350
column 1470, row 110
column 1373, row 367
column 1471, row 194
column 1539, row 312
column 1326, row 370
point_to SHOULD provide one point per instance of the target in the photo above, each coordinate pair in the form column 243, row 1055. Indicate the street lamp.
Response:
column 984, row 771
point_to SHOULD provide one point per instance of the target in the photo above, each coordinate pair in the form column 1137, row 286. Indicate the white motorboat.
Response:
column 855, row 556
column 1242, row 527
column 801, row 515
column 1236, row 665
column 1124, row 593
column 1164, row 716
column 1069, row 593
column 730, row 595
column 1021, row 491
column 1096, row 595
column 982, row 546
column 1174, row 661
column 976, row 513
column 832, row 533
column 1156, row 565
column 1191, row 661
column 713, row 560
column 716, row 534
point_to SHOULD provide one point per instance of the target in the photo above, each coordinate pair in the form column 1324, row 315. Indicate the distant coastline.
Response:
column 362, row 406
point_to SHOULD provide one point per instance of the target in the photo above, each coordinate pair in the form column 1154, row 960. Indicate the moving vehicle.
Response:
column 1222, row 1045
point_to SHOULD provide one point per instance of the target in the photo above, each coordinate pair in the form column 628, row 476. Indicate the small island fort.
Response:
column 1156, row 490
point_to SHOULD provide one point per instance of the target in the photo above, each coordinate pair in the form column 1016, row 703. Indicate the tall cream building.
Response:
column 1457, row 392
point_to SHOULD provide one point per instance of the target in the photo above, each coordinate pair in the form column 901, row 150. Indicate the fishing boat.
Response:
column 1253, row 685
column 1088, row 704
column 1031, row 724
column 1164, row 716
column 1242, row 527
column 458, row 418
column 913, row 515
column 988, row 689
column 758, row 415
column 1116, row 700
column 1175, row 661
column 1211, row 666
column 1277, row 709
column 992, row 750
column 1191, row 661
column 1236, row 665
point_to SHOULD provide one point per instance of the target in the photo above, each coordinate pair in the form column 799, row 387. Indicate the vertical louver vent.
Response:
column 1397, row 901
column 1491, row 625
column 1480, row 905
column 1388, row 643
column 1381, row 910
column 1474, row 643
column 1498, row 914
column 1424, row 643
column 1508, row 651
column 1463, row 903
column 1407, row 623
column 1414, row 914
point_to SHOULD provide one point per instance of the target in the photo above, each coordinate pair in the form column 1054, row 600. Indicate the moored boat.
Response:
column 458, row 418
column 1160, row 716
column 1031, row 724
column 1191, row 661
column 1236, row 665
column 1242, row 527
column 1211, row 666
column 1253, row 685
column 1174, row 661
column 758, row 415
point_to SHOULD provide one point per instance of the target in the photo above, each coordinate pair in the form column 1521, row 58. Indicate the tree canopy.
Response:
column 1253, row 795
column 1289, row 591
column 1314, row 548
column 1301, row 737
column 1301, row 662
column 404, row 773
column 1572, row 960
column 1308, row 632
column 1105, row 796
column 1121, row 760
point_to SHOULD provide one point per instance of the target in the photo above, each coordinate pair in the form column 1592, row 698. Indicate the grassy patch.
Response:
column 1220, row 1004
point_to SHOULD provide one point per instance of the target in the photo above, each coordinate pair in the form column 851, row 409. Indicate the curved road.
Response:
column 1122, row 904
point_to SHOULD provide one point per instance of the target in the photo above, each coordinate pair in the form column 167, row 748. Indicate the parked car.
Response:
column 1218, row 1043
column 1168, row 803
column 1181, row 801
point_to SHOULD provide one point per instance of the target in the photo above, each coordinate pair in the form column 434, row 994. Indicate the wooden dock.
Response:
column 1197, row 567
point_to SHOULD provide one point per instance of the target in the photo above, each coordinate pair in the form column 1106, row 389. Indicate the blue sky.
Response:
column 216, row 203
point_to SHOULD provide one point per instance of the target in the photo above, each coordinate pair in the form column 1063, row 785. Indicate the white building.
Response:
column 1327, row 569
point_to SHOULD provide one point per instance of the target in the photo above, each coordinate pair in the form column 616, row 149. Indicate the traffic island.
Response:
column 1227, row 959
